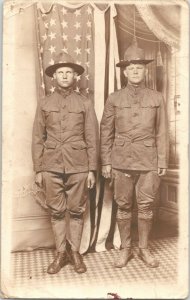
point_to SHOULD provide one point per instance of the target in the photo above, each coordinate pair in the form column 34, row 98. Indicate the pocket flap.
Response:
column 79, row 145
column 50, row 145
column 120, row 142
column 122, row 105
column 76, row 110
column 50, row 109
column 149, row 143
column 151, row 103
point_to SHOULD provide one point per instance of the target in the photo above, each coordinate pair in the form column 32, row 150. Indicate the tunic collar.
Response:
column 63, row 92
column 135, row 89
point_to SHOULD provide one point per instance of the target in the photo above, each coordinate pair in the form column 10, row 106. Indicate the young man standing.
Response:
column 134, row 147
column 65, row 155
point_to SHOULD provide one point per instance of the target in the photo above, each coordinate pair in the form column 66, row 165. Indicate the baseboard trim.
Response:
column 169, row 215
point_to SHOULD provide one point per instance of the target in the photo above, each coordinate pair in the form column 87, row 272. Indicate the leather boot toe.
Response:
column 146, row 256
column 125, row 255
column 77, row 260
column 59, row 262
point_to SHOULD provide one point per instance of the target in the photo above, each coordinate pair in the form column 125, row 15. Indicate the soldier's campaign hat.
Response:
column 63, row 60
column 133, row 55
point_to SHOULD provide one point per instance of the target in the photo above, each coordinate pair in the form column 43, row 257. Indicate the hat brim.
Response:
column 51, row 69
column 126, row 63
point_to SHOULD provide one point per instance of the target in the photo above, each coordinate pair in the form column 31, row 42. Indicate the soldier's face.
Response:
column 65, row 77
column 135, row 73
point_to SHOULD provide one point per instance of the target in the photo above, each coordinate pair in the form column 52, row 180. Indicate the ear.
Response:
column 125, row 73
column 75, row 75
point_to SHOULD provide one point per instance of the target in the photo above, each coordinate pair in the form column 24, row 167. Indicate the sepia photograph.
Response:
column 95, row 103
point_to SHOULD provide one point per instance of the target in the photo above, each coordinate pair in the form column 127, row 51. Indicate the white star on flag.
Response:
column 77, row 12
column 77, row 89
column 52, row 49
column 65, row 50
column 88, row 37
column 52, row 35
column 87, row 77
column 41, row 72
column 88, row 23
column 77, row 25
column 64, row 11
column 64, row 36
column 51, row 62
column 87, row 64
column 87, row 50
column 43, row 85
column 87, row 90
column 78, row 51
column 41, row 49
column 52, row 89
column 78, row 62
column 64, row 24
column 44, row 15
column 78, row 77
column 46, row 25
column 52, row 22
column 77, row 37
column 54, row 8
column 44, row 37
column 89, row 10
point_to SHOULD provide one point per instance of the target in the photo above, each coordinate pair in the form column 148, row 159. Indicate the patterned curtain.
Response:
column 69, row 30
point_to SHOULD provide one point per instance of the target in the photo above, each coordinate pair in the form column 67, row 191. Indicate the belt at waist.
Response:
column 134, row 140
column 54, row 144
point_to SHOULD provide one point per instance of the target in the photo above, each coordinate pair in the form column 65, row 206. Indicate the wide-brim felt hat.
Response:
column 63, row 60
column 133, row 55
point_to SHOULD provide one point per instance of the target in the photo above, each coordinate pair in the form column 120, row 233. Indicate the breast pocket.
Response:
column 76, row 118
column 148, row 114
column 52, row 115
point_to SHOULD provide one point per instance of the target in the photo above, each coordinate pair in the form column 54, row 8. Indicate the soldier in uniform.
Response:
column 134, row 151
column 64, row 149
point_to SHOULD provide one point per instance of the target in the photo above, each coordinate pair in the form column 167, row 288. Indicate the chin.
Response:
column 65, row 86
column 136, row 81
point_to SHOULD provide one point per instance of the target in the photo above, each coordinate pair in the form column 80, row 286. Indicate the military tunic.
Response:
column 134, row 130
column 65, row 134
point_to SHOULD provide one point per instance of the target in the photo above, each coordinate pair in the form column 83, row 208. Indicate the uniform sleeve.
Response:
column 107, row 132
column 91, row 136
column 162, row 140
column 38, row 139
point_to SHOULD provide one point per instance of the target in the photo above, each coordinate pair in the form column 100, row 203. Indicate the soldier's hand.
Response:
column 91, row 180
column 161, row 172
column 39, row 179
column 106, row 171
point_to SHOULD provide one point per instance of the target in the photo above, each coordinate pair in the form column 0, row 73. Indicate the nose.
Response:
column 135, row 70
column 64, row 75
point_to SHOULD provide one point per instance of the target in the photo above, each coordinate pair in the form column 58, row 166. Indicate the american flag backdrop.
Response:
column 69, row 30
column 87, row 33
